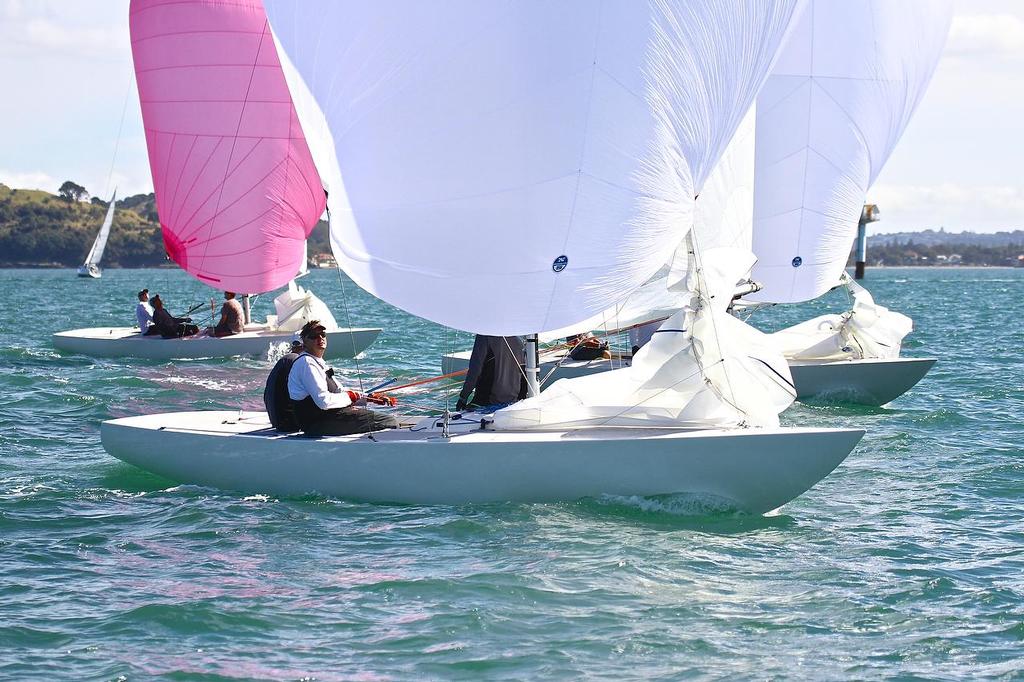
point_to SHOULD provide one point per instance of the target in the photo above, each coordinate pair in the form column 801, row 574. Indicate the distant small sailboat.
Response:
column 91, row 267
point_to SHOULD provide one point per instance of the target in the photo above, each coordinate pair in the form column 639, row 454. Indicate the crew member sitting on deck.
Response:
column 144, row 313
column 169, row 326
column 322, row 408
column 495, row 375
column 275, row 394
column 232, row 317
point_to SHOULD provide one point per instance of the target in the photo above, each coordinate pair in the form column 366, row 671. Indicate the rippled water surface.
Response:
column 908, row 561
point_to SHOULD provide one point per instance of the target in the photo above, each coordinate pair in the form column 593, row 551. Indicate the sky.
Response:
column 67, row 78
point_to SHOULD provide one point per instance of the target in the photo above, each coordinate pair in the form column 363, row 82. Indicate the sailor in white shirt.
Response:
column 144, row 312
column 322, row 408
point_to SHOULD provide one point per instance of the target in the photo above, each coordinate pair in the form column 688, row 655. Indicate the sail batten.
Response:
column 236, row 188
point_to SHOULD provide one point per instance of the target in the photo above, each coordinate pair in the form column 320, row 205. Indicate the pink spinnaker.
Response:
column 236, row 188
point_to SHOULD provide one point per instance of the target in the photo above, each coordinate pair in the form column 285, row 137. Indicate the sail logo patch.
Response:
column 560, row 263
column 797, row 262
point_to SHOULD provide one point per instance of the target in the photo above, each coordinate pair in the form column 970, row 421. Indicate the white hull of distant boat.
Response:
column 865, row 382
column 90, row 271
column 128, row 342
column 755, row 470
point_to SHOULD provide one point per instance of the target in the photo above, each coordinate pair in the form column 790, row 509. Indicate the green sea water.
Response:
column 907, row 562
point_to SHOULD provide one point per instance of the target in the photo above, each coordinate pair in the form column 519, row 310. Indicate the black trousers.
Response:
column 345, row 421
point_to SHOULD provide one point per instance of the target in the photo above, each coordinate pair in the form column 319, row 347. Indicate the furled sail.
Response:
column 836, row 104
column 236, row 188
column 100, row 244
column 507, row 168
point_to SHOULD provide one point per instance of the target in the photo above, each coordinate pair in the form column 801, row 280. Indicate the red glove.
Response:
column 353, row 396
column 381, row 399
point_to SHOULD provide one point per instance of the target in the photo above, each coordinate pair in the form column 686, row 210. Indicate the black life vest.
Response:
column 275, row 395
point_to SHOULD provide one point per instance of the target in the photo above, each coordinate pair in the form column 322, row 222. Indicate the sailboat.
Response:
column 508, row 169
column 91, row 266
column 841, row 94
column 236, row 189
column 828, row 118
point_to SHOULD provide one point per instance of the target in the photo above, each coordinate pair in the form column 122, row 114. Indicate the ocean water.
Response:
column 907, row 562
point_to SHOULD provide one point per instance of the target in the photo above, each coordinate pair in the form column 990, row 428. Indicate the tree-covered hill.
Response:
column 56, row 230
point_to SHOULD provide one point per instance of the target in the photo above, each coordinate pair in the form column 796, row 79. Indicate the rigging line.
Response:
column 120, row 128
column 348, row 314
column 703, row 285
column 522, row 370
column 700, row 370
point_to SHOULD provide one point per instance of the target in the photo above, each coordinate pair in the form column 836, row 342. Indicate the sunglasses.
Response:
column 317, row 335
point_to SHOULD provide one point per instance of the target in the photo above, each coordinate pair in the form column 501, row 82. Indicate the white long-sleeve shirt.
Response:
column 308, row 377
column 144, row 314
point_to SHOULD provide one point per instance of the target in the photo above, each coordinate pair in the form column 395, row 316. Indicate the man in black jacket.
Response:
column 275, row 395
column 495, row 375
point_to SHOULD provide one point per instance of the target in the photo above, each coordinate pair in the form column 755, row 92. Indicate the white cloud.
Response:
column 46, row 28
column 986, row 35
column 29, row 180
column 981, row 207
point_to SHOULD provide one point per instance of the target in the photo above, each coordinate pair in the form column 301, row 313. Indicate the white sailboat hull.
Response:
column 128, row 342
column 92, row 272
column 755, row 470
column 865, row 382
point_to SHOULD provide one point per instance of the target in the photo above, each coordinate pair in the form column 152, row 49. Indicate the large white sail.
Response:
column 100, row 243
column 516, row 167
column 837, row 102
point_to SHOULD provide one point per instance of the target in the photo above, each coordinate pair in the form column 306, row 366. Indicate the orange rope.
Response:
column 426, row 381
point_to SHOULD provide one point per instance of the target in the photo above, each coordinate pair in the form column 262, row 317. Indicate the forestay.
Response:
column 236, row 188
column 508, row 168
column 836, row 104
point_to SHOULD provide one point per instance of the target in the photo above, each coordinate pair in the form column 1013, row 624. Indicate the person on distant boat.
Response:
column 322, row 408
column 495, row 376
column 232, row 317
column 169, row 326
column 144, row 313
column 275, row 394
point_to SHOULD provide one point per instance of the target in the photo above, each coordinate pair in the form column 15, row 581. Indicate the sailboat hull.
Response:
column 753, row 470
column 863, row 382
column 128, row 342
column 89, row 272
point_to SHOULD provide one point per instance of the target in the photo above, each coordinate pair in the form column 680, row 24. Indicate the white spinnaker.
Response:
column 479, row 142
column 838, row 99
column 98, row 246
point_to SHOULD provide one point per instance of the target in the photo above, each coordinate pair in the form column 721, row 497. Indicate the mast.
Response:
column 247, row 309
column 532, row 366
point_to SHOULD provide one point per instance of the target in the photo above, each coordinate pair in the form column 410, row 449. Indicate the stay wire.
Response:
column 702, row 291
column 348, row 314
column 120, row 129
